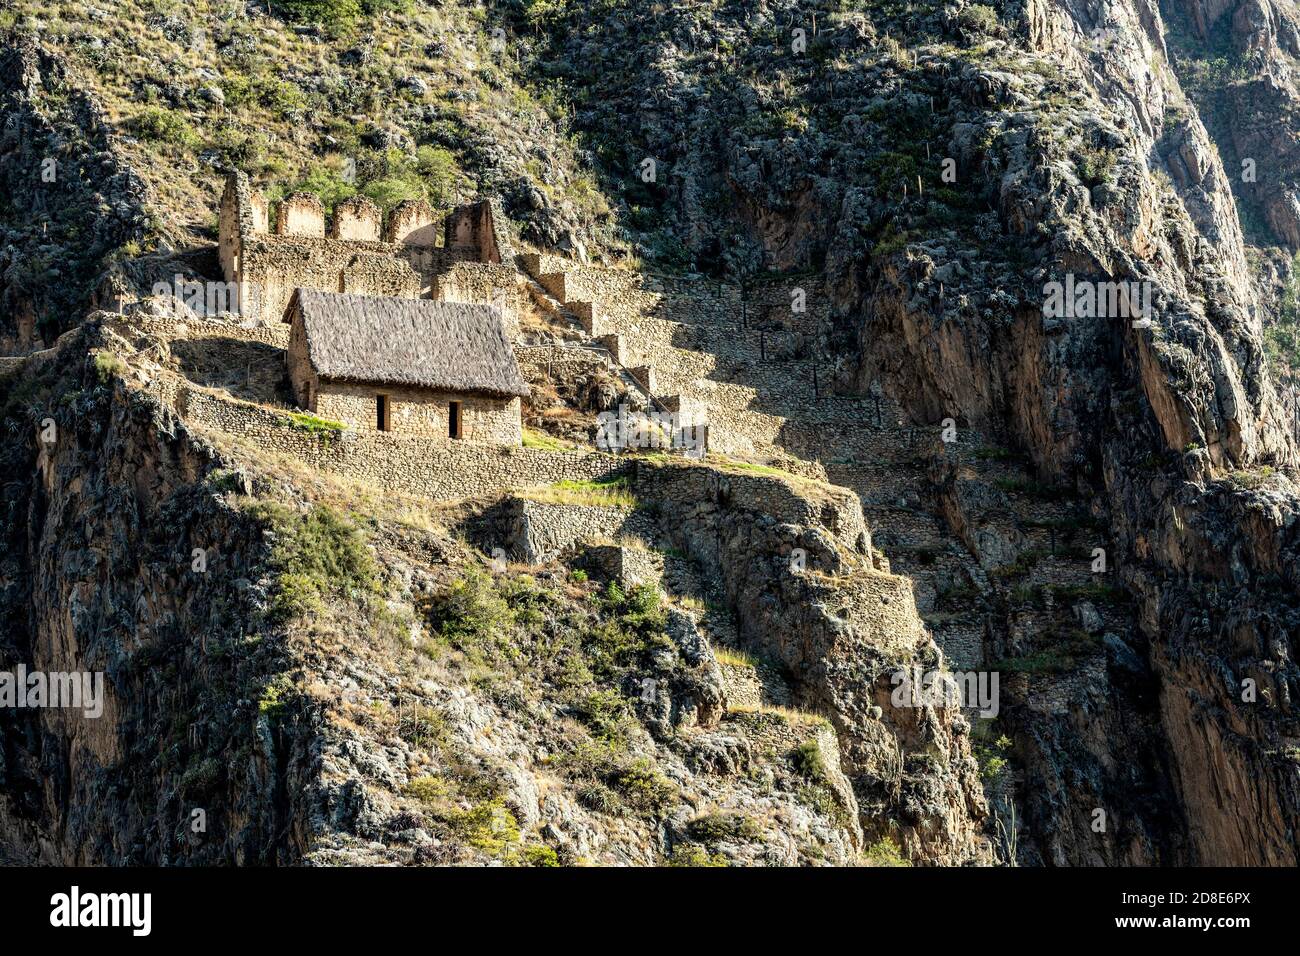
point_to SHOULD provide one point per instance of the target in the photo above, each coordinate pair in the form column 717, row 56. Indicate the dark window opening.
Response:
column 383, row 416
column 453, row 420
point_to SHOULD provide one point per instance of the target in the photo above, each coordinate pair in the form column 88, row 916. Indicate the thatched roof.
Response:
column 447, row 346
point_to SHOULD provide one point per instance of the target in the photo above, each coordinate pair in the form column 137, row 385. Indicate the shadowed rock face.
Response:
column 70, row 200
column 1249, row 110
column 842, row 628
column 1077, row 153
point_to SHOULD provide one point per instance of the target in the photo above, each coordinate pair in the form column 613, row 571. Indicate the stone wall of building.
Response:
column 300, row 214
column 305, row 381
column 357, row 218
column 363, row 253
column 419, row 411
column 482, row 230
column 273, row 266
column 479, row 282
column 413, row 223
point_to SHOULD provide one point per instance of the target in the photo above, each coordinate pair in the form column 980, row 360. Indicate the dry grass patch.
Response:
column 791, row 715
column 601, row 493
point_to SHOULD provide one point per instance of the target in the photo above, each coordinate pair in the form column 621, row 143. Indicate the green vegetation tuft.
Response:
column 316, row 555
column 160, row 125
column 108, row 365
column 314, row 425
column 600, row 492
column 717, row 827
column 884, row 852
column 543, row 441
column 809, row 761
column 692, row 854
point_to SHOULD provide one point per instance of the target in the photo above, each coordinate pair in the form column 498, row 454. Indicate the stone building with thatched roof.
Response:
column 414, row 366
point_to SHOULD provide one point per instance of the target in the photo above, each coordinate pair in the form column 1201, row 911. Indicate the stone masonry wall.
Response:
column 544, row 529
column 274, row 266
column 275, row 335
column 270, row 265
column 411, row 464
column 418, row 411
column 484, row 283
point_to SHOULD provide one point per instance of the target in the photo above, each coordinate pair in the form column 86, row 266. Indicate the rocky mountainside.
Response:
column 300, row 673
column 935, row 169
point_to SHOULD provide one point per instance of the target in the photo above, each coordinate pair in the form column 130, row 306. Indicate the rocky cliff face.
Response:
column 1072, row 150
column 284, row 687
column 69, row 199
column 940, row 169
column 100, row 526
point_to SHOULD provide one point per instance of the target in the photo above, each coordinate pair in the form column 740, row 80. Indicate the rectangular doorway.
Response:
column 383, row 413
column 454, row 420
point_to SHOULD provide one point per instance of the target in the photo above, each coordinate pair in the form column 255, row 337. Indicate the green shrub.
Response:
column 979, row 18
column 471, row 610
column 607, row 713
column 108, row 365
column 715, row 827
column 439, row 172
column 164, row 126
column 643, row 787
column 1252, row 479
column 993, row 765
column 430, row 791
column 316, row 554
column 271, row 703
column 321, row 11
column 540, row 855
column 631, row 626
column 390, row 191
column 691, row 854
column 884, row 852
column 809, row 762
column 422, row 726
column 488, row 826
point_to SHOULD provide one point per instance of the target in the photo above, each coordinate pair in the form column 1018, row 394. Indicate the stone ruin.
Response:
column 463, row 255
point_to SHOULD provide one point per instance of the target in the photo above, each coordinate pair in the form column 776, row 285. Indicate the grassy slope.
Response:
column 304, row 106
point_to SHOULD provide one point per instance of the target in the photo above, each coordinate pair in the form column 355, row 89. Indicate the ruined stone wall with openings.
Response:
column 483, row 228
column 357, row 250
